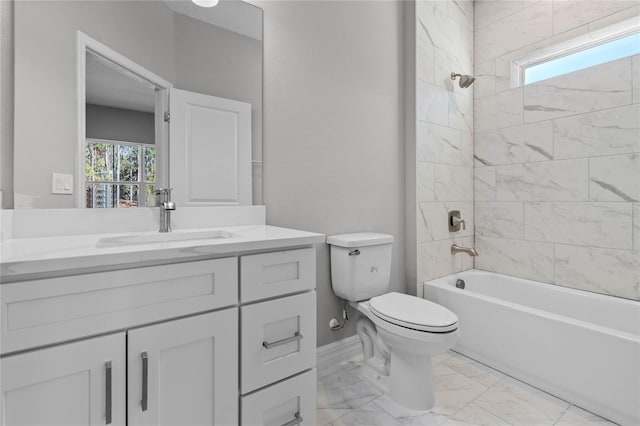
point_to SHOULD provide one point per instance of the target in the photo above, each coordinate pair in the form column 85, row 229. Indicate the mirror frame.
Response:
column 87, row 44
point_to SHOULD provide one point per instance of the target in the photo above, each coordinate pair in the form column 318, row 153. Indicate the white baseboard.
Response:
column 330, row 356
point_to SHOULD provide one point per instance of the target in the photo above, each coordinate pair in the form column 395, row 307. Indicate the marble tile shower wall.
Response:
column 557, row 163
column 444, row 145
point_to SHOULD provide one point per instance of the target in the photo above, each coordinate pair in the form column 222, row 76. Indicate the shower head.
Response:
column 465, row 80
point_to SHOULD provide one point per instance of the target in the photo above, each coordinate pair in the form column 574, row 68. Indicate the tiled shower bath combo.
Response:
column 320, row 213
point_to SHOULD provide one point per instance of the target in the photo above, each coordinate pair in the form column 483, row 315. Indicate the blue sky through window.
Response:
column 610, row 51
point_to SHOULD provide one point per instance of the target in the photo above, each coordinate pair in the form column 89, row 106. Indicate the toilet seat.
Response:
column 413, row 312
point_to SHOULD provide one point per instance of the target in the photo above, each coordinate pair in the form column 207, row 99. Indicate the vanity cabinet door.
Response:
column 79, row 383
column 185, row 372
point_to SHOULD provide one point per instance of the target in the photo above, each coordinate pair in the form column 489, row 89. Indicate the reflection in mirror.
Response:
column 120, row 135
column 213, row 51
column 121, row 131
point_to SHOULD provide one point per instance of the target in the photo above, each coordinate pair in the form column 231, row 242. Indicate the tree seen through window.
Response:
column 119, row 174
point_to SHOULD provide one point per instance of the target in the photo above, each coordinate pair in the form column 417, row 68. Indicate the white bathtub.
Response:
column 582, row 347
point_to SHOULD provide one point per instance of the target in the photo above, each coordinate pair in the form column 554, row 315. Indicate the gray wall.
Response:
column 333, row 127
column 119, row 124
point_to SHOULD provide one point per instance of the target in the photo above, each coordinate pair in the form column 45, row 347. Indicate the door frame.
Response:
column 87, row 44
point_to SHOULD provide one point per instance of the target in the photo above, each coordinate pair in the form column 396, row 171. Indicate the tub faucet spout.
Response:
column 459, row 249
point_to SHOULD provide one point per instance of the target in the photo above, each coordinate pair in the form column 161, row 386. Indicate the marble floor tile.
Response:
column 345, row 389
column 407, row 416
column 520, row 404
column 473, row 370
column 575, row 416
column 369, row 414
column 437, row 359
column 453, row 390
column 325, row 416
column 473, row 415
column 467, row 393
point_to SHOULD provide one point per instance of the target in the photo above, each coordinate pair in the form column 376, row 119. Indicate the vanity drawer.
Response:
column 278, row 339
column 41, row 312
column 274, row 274
column 286, row 403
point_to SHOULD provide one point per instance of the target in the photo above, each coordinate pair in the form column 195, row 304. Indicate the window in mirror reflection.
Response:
column 119, row 174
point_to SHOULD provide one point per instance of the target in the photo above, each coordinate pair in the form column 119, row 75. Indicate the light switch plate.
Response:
column 61, row 183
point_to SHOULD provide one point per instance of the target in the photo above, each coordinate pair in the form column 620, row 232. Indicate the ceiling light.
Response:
column 205, row 3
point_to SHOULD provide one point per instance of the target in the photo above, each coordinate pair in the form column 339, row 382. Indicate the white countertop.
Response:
column 42, row 257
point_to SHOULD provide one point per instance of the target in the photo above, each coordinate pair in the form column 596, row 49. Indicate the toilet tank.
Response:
column 360, row 264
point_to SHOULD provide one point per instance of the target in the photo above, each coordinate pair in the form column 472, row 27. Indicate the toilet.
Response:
column 399, row 333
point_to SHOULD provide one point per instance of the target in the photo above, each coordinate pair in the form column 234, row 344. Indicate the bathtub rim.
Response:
column 442, row 283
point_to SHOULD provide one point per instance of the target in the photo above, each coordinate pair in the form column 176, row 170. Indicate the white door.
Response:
column 185, row 372
column 79, row 383
column 209, row 150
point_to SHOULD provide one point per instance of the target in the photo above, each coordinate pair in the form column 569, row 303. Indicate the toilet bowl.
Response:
column 398, row 332
column 409, row 381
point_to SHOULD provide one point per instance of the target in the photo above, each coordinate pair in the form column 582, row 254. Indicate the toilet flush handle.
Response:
column 354, row 252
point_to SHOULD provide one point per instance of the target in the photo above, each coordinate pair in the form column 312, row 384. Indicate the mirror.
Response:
column 124, row 136
column 113, row 150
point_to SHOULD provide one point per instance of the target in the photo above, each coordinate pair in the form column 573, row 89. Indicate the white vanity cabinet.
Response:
column 278, row 338
column 225, row 341
column 75, row 384
column 184, row 372
column 181, row 372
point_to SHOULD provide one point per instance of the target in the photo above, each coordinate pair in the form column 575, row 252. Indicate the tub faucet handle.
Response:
column 455, row 221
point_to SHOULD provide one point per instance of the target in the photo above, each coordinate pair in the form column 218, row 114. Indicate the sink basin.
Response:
column 128, row 240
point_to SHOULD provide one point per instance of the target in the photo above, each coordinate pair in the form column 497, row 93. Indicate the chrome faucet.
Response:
column 163, row 200
column 459, row 249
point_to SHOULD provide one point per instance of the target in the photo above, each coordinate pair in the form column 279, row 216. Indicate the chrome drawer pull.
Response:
column 145, row 381
column 295, row 421
column 269, row 345
column 107, row 391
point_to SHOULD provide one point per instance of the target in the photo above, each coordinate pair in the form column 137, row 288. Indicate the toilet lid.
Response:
column 413, row 312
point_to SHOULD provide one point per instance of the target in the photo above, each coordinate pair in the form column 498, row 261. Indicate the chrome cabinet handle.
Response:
column 107, row 392
column 145, row 381
column 296, row 421
column 295, row 337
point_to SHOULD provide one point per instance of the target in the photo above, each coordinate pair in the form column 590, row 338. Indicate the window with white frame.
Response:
column 119, row 174
column 606, row 45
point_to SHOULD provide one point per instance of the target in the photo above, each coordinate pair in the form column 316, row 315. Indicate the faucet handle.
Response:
column 455, row 222
column 163, row 195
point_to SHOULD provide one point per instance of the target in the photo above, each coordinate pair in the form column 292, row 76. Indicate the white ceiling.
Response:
column 112, row 86
column 233, row 15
